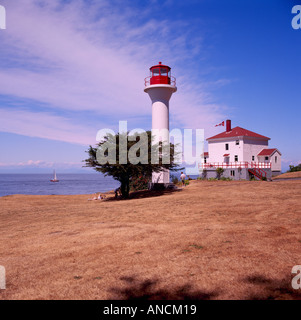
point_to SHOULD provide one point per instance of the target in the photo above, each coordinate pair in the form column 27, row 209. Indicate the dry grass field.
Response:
column 210, row 240
column 289, row 175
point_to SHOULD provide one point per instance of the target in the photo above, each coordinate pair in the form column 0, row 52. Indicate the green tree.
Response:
column 219, row 172
column 295, row 168
column 127, row 158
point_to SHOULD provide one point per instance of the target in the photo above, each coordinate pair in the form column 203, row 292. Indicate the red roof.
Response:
column 160, row 65
column 238, row 132
column 267, row 152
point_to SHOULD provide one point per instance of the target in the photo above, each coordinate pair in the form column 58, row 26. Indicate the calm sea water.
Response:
column 40, row 184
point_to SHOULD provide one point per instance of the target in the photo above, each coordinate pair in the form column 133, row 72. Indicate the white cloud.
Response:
column 45, row 125
column 42, row 164
column 63, row 56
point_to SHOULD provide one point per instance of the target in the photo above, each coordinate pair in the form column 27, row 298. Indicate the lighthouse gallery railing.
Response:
column 172, row 81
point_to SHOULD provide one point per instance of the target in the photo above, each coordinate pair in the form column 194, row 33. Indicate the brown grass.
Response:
column 212, row 240
column 289, row 175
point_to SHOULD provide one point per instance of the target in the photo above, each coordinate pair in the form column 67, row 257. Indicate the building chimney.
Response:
column 228, row 125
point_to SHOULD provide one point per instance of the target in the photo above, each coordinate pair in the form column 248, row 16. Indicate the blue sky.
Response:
column 71, row 68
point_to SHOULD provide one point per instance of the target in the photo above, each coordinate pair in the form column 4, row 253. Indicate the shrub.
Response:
column 219, row 172
column 174, row 180
column 139, row 183
column 295, row 168
column 225, row 179
column 212, row 179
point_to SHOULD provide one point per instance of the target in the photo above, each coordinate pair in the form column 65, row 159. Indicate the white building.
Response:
column 242, row 153
column 273, row 156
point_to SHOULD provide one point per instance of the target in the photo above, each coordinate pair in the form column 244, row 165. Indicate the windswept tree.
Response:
column 126, row 157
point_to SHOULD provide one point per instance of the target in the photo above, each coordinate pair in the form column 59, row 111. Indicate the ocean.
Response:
column 39, row 184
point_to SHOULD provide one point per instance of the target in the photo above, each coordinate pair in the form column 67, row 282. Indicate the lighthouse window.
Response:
column 227, row 146
column 237, row 142
column 164, row 72
column 235, row 158
column 156, row 72
column 275, row 159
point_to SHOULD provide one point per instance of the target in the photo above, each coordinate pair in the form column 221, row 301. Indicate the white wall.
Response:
column 160, row 95
column 217, row 150
column 247, row 148
column 252, row 147
column 276, row 166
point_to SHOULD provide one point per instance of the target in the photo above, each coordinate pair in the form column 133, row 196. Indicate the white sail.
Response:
column 54, row 177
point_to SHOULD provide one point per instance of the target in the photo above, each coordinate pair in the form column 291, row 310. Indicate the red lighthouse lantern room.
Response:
column 160, row 74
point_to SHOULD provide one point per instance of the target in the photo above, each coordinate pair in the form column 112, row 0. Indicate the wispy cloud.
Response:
column 42, row 164
column 45, row 125
column 92, row 56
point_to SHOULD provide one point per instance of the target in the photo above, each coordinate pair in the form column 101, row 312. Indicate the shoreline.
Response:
column 110, row 192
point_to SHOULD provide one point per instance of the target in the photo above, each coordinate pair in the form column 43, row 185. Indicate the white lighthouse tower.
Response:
column 160, row 86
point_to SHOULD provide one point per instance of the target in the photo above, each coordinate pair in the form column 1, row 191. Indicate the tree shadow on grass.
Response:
column 146, row 194
column 271, row 289
column 146, row 290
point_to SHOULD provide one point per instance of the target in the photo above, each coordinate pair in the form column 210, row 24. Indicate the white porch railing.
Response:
column 236, row 165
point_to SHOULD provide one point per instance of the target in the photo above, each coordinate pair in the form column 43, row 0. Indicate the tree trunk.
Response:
column 125, row 188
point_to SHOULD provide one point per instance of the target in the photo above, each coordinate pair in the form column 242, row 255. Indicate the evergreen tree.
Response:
column 127, row 157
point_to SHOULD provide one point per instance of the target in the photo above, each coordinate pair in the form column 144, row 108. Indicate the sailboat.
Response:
column 54, row 178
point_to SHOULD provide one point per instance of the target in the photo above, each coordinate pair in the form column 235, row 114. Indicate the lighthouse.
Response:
column 160, row 86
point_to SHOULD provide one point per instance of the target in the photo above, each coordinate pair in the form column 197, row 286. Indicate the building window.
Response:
column 205, row 160
column 232, row 173
column 275, row 159
column 253, row 158
column 266, row 158
column 235, row 158
column 237, row 142
column 227, row 146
